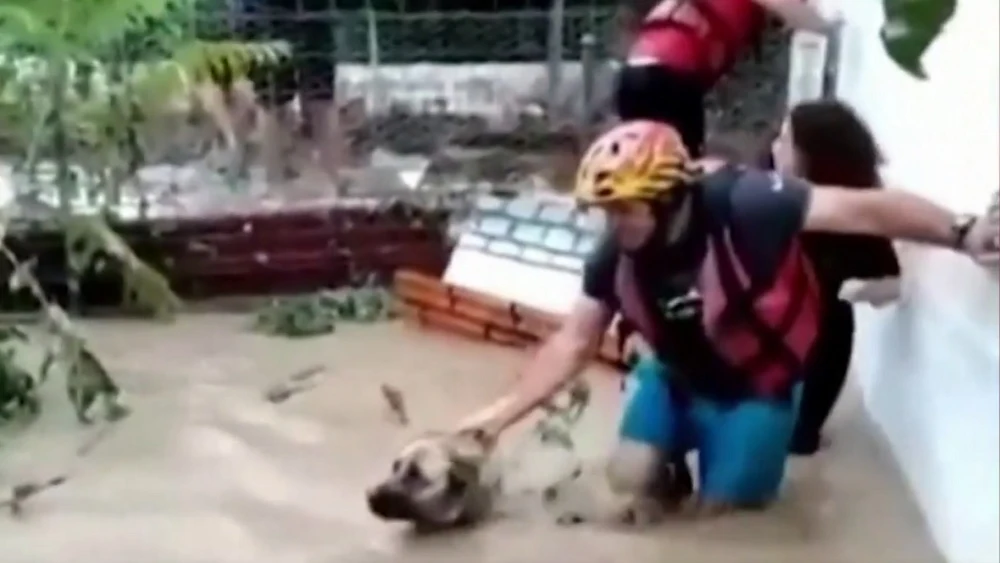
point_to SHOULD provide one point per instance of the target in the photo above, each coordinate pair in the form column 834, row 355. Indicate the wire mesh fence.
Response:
column 496, row 63
column 427, row 81
column 394, row 37
column 503, row 95
column 381, row 42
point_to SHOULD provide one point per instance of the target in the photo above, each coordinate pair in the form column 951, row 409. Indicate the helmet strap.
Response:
column 676, row 218
column 677, row 225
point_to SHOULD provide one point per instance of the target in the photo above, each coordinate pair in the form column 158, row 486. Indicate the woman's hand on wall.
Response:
column 984, row 239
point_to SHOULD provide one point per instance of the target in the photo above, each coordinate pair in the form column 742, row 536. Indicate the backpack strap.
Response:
column 741, row 300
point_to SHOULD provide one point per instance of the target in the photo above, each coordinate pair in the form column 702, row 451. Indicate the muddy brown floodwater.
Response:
column 207, row 471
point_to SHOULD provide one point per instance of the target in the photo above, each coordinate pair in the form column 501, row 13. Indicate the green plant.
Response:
column 79, row 89
column 88, row 383
column 81, row 82
column 315, row 314
column 911, row 27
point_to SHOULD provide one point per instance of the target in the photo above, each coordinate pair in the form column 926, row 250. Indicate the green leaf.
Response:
column 19, row 399
column 318, row 314
column 911, row 27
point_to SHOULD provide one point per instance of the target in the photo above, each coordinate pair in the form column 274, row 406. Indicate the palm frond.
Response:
column 149, row 89
column 155, row 84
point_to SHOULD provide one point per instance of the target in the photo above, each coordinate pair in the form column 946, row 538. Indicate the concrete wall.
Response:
column 930, row 367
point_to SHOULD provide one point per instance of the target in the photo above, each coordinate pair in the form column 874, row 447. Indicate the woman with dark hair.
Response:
column 827, row 143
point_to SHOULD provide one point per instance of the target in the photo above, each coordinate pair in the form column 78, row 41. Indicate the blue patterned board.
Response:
column 540, row 232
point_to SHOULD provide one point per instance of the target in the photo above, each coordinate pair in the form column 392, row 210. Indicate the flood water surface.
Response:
column 207, row 471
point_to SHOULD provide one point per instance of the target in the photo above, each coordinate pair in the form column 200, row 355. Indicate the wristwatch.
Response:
column 960, row 228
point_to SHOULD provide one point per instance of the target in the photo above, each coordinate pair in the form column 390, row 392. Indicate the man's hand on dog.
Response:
column 485, row 437
column 483, row 426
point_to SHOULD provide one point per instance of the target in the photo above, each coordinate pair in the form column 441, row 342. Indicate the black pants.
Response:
column 825, row 377
column 659, row 93
column 308, row 27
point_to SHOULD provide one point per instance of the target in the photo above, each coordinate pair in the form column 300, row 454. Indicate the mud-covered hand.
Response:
column 480, row 427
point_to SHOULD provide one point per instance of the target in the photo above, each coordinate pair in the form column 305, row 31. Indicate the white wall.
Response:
column 930, row 367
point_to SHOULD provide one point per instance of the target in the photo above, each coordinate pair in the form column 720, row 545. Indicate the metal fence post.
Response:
column 375, row 96
column 555, row 54
column 588, row 71
column 831, row 66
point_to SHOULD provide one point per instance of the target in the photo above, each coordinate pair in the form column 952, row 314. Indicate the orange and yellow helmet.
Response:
column 634, row 160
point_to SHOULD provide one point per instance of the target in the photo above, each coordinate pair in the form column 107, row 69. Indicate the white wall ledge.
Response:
column 929, row 368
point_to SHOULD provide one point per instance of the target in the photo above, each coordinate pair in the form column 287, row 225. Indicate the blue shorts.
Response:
column 741, row 446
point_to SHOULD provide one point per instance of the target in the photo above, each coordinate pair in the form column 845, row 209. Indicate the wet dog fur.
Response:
column 438, row 481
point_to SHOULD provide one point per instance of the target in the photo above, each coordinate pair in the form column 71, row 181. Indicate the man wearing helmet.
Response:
column 681, row 48
column 707, row 263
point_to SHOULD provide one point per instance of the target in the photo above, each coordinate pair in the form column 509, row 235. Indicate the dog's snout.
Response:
column 390, row 504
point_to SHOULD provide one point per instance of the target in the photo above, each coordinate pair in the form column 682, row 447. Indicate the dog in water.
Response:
column 441, row 481
column 438, row 481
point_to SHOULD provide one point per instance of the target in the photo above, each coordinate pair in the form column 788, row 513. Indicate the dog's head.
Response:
column 435, row 481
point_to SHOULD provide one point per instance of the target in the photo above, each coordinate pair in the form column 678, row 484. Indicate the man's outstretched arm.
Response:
column 899, row 215
column 774, row 209
column 558, row 361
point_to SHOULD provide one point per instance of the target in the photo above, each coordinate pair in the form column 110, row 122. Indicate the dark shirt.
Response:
column 838, row 258
column 766, row 215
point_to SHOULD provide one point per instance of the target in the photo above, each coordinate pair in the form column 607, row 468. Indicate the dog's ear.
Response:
column 463, row 473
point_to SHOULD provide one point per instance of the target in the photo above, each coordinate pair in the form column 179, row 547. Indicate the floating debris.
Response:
column 22, row 492
column 397, row 404
column 299, row 382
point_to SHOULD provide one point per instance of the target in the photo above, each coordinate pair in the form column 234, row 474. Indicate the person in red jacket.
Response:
column 681, row 48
